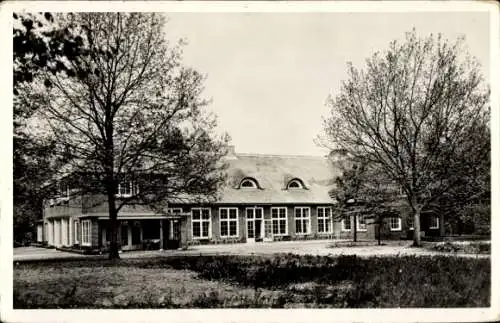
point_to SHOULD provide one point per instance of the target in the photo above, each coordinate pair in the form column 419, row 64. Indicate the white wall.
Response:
column 39, row 232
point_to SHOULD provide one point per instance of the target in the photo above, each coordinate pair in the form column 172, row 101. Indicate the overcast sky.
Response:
column 269, row 74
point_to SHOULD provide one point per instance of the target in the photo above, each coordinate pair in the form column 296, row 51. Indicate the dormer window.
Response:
column 248, row 183
column 295, row 184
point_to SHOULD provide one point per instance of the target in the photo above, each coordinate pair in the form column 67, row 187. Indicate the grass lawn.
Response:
column 254, row 281
column 108, row 284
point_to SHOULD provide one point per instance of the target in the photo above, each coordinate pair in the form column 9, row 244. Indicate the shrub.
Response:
column 474, row 247
column 350, row 281
column 207, row 300
column 306, row 281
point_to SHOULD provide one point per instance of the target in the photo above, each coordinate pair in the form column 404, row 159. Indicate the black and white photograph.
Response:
column 236, row 156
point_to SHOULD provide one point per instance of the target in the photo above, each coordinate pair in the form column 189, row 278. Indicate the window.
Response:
column 346, row 223
column 228, row 222
column 295, row 183
column 127, row 189
column 86, row 233
column 361, row 223
column 64, row 192
column 201, row 223
column 410, row 222
column 395, row 223
column 302, row 220
column 434, row 222
column 77, row 231
column 279, row 221
column 248, row 183
column 324, row 220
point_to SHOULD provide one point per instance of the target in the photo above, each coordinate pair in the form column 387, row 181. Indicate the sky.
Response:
column 269, row 74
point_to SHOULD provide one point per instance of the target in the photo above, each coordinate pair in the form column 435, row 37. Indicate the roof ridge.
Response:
column 278, row 155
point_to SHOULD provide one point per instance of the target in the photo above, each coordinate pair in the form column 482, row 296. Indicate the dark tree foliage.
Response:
column 39, row 43
column 364, row 191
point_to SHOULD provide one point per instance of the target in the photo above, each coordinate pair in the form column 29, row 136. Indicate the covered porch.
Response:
column 145, row 232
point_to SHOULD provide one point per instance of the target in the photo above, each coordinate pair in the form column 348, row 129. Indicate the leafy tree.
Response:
column 419, row 113
column 363, row 191
column 38, row 43
column 126, row 112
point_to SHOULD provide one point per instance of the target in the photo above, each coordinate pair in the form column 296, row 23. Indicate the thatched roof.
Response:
column 273, row 173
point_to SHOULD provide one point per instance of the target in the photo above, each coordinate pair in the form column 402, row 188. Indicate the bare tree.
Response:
column 127, row 111
column 418, row 112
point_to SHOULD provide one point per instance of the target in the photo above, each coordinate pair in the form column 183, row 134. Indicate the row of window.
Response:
column 228, row 221
column 252, row 183
column 395, row 223
column 125, row 189
column 433, row 222
column 82, row 231
column 129, row 188
column 201, row 223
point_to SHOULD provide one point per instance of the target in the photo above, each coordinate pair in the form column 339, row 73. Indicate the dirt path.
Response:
column 314, row 247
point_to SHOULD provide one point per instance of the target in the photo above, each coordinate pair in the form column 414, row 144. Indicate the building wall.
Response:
column 94, row 233
column 73, row 210
column 242, row 224
column 71, row 207
column 39, row 232
column 99, row 204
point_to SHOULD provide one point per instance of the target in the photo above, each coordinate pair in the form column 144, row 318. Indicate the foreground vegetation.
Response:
column 254, row 281
column 471, row 247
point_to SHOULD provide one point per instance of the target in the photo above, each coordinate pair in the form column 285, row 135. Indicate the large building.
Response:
column 265, row 198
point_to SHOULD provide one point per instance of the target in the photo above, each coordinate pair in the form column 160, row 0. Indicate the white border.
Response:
column 299, row 315
column 254, row 6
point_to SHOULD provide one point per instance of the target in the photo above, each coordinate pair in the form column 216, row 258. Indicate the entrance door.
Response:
column 254, row 224
column 136, row 233
column 172, row 234
column 124, row 234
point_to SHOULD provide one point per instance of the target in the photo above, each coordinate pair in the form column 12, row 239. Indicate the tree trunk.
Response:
column 355, row 232
column 416, row 227
column 113, row 224
column 379, row 230
column 111, row 184
column 113, row 218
